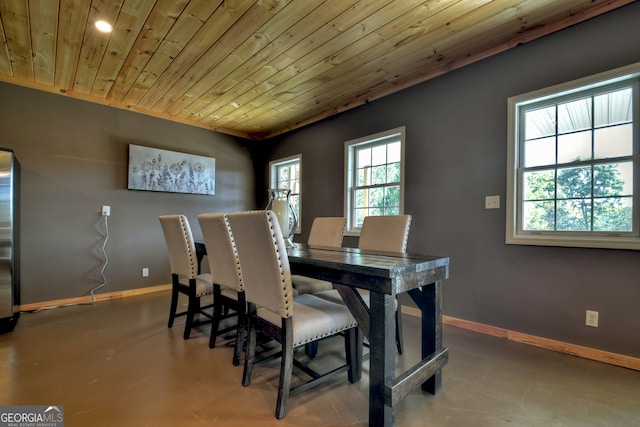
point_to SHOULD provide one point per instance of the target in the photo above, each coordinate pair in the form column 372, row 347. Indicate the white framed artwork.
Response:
column 154, row 169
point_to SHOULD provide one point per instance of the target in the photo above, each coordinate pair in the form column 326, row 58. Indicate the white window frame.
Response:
column 351, row 229
column 514, row 234
column 273, row 181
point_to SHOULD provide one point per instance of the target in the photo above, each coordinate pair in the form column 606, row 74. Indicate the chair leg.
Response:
column 194, row 306
column 399, row 337
column 240, row 334
column 286, row 368
column 241, row 328
column 217, row 313
column 311, row 349
column 250, row 354
column 174, row 303
column 353, row 352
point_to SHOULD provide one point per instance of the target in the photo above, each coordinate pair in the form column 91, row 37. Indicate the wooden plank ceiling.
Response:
column 260, row 68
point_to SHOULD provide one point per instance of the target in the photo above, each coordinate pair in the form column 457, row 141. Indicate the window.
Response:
column 285, row 173
column 573, row 164
column 374, row 177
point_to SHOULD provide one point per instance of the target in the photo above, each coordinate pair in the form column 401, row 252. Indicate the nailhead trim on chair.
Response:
column 192, row 258
column 287, row 298
column 406, row 235
column 235, row 253
column 330, row 334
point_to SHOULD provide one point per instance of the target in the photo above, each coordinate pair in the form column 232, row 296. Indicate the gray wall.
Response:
column 456, row 145
column 74, row 160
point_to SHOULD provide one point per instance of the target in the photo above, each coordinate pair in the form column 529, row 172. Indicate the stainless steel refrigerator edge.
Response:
column 9, row 240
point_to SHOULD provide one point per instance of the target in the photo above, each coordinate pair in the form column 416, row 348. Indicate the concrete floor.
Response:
column 115, row 363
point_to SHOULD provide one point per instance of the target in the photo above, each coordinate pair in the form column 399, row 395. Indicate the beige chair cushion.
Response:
column 314, row 318
column 308, row 285
column 203, row 284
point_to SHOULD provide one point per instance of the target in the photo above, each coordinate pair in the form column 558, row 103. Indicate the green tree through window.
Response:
column 588, row 199
column 374, row 178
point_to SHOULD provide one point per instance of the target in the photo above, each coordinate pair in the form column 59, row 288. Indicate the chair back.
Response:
column 327, row 231
column 263, row 257
column 182, row 249
column 222, row 255
column 385, row 233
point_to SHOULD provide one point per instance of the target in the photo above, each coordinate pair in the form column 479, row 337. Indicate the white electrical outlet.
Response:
column 145, row 272
column 106, row 210
column 591, row 318
column 492, row 202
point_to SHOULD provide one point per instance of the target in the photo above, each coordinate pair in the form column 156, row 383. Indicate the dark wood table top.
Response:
column 385, row 272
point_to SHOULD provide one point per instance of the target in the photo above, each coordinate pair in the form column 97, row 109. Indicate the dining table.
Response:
column 385, row 275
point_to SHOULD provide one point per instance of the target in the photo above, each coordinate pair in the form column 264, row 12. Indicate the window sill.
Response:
column 632, row 243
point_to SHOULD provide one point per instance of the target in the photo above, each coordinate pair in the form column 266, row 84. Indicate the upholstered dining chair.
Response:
column 226, row 275
column 382, row 234
column 385, row 233
column 325, row 231
column 273, row 310
column 184, row 272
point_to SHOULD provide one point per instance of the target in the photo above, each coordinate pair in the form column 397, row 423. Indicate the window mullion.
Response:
column 555, row 190
column 593, row 150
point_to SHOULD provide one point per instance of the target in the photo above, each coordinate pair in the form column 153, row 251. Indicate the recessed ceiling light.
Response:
column 104, row 26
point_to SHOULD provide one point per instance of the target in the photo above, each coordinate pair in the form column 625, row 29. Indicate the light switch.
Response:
column 492, row 202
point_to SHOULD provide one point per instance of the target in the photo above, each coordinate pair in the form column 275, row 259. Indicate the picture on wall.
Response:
column 153, row 169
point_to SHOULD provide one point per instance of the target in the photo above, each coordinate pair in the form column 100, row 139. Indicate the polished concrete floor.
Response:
column 115, row 363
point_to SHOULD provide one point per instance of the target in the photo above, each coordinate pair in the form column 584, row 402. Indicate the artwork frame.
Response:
column 155, row 169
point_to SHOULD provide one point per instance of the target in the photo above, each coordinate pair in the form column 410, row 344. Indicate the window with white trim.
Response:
column 374, row 177
column 286, row 174
column 573, row 164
